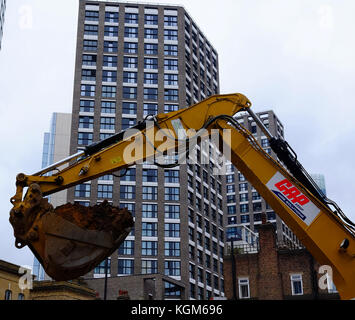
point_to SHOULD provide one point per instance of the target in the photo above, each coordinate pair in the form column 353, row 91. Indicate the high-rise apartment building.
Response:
column 2, row 18
column 244, row 204
column 135, row 60
column 56, row 144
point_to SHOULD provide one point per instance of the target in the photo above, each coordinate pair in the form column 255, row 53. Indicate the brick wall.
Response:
column 269, row 271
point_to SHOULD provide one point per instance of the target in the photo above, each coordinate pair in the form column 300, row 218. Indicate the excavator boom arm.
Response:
column 324, row 234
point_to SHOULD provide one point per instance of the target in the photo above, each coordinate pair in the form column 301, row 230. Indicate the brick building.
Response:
column 273, row 272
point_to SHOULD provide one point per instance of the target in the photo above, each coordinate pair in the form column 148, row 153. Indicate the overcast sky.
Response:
column 296, row 57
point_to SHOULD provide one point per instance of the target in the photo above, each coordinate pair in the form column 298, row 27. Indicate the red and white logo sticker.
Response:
column 289, row 194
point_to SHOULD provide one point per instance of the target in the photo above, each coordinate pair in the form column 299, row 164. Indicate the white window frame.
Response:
column 242, row 282
column 295, row 277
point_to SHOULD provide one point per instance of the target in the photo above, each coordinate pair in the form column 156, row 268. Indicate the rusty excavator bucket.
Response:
column 70, row 240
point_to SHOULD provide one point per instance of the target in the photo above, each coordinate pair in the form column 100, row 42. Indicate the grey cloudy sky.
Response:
column 296, row 57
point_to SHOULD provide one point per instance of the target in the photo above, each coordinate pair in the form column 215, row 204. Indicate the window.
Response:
column 149, row 248
column 150, row 78
column 265, row 143
column 151, row 33
column 150, row 109
column 89, row 60
column 131, row 47
column 170, row 34
column 109, row 76
column 171, row 79
column 107, row 177
column 86, row 122
column 171, row 64
column 91, row 15
column 149, row 266
column 104, row 191
column 8, row 295
column 244, row 208
column 111, row 17
column 149, row 211
column 296, row 284
column 192, row 271
column 130, row 62
column 230, row 188
column 171, row 21
column 128, row 123
column 170, row 108
column 111, row 31
column 150, row 94
column 172, row 249
column 172, row 230
column 82, row 191
column 150, row 48
column 90, row 45
column 87, row 91
column 131, row 18
column 271, row 215
column 108, row 107
column 150, row 175
column 256, row 196
column 130, row 32
column 107, row 123
column 243, row 197
column 244, row 218
column 172, row 211
column 257, row 217
column 129, row 175
column 110, row 46
column 172, row 194
column 257, row 206
column 243, row 187
column 172, row 268
column 200, row 275
column 172, row 176
column 151, row 19
column 171, row 95
column 126, row 248
column 125, row 266
column 108, row 92
column 88, row 75
column 129, row 108
column 231, row 209
column 170, row 50
column 150, row 63
column 85, row 138
column 110, row 61
column 129, row 92
column 149, row 229
column 244, row 291
column 21, row 296
column 130, row 77
column 127, row 192
column 149, row 193
column 101, row 268
column 87, row 105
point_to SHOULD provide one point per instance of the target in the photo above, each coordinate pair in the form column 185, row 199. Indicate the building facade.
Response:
column 319, row 179
column 274, row 272
column 244, row 203
column 2, row 18
column 10, row 275
column 56, row 145
column 135, row 60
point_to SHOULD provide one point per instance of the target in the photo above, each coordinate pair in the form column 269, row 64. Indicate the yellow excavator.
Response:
column 71, row 240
